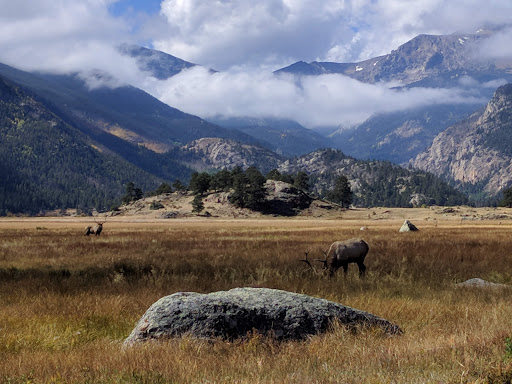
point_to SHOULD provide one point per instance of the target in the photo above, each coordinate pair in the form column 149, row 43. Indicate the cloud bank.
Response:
column 320, row 101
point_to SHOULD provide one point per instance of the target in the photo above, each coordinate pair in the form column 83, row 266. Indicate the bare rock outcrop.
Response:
column 285, row 199
column 470, row 152
column 235, row 313
column 212, row 152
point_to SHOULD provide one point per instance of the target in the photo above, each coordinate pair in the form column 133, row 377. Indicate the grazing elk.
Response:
column 341, row 253
column 95, row 230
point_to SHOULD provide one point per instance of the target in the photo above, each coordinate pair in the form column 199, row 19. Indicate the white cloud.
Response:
column 60, row 35
column 235, row 33
column 223, row 34
column 497, row 47
column 327, row 100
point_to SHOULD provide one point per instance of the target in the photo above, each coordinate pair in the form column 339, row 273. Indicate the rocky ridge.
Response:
column 463, row 152
column 215, row 153
column 372, row 180
column 282, row 199
column 432, row 57
column 399, row 136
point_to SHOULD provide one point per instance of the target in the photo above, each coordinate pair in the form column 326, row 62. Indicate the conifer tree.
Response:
column 341, row 193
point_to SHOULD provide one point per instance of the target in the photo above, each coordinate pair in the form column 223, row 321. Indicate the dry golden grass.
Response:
column 68, row 301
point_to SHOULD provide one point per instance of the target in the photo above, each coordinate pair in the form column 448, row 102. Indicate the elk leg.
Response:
column 362, row 269
column 345, row 267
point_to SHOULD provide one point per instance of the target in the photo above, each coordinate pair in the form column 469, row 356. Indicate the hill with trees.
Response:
column 48, row 163
column 374, row 183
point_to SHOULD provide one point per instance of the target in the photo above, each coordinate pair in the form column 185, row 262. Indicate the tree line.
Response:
column 246, row 187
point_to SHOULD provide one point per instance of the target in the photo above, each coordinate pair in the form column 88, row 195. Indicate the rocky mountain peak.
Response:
column 426, row 58
column 500, row 103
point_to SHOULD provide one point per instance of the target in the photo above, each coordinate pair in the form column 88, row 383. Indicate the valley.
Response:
column 406, row 158
column 324, row 189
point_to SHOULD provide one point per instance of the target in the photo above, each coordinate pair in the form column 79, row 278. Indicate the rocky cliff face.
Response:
column 399, row 136
column 475, row 151
column 215, row 153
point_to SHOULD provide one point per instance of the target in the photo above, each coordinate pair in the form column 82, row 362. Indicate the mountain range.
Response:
column 65, row 142
column 448, row 61
column 426, row 60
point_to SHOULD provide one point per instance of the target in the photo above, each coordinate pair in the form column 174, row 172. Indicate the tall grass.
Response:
column 68, row 301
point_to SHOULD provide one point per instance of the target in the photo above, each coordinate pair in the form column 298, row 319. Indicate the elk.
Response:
column 95, row 230
column 341, row 253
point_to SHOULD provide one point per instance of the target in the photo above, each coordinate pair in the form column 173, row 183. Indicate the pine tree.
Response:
column 199, row 182
column 301, row 181
column 238, row 196
column 197, row 204
column 342, row 193
column 163, row 188
column 507, row 198
column 133, row 193
column 274, row 174
column 178, row 186
column 222, row 180
column 255, row 188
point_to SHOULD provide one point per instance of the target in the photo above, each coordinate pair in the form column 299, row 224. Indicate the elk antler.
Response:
column 101, row 222
column 324, row 260
column 307, row 261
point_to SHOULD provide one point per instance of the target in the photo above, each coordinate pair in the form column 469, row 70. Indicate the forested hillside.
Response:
column 375, row 183
column 49, row 164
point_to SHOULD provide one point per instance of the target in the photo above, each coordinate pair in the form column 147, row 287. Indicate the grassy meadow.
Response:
column 68, row 301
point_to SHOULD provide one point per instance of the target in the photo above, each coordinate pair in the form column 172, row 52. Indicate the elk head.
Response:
column 311, row 267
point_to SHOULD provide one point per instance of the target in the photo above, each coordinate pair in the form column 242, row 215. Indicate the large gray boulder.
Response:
column 232, row 314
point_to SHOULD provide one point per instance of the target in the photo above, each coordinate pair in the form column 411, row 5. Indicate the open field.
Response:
column 68, row 301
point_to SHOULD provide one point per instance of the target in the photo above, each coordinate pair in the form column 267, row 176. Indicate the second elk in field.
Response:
column 342, row 253
column 95, row 230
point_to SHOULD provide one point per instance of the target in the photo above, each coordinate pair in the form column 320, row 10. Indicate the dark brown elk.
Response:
column 95, row 230
column 342, row 253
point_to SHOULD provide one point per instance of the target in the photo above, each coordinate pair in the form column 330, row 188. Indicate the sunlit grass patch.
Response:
column 69, row 301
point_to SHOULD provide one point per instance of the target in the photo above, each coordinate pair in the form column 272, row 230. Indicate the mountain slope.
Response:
column 49, row 164
column 285, row 137
column 374, row 183
column 126, row 112
column 431, row 61
column 213, row 153
column 159, row 64
column 399, row 136
column 476, row 153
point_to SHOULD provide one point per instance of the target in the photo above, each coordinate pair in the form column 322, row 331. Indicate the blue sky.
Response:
column 122, row 7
